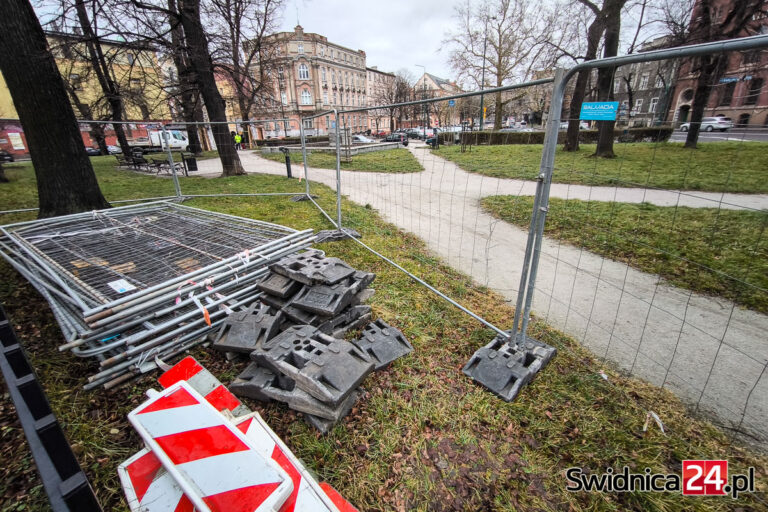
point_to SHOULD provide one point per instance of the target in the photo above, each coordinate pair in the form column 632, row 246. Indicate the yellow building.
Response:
column 134, row 67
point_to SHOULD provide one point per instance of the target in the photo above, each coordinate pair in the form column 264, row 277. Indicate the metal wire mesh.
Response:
column 141, row 247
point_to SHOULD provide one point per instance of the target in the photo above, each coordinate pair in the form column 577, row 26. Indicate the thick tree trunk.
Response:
column 605, row 78
column 3, row 178
column 200, row 60
column 65, row 179
column 497, row 116
column 188, row 93
column 594, row 32
column 102, row 69
column 707, row 74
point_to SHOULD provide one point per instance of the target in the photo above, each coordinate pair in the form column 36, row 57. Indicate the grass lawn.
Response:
column 714, row 166
column 663, row 240
column 391, row 160
column 423, row 437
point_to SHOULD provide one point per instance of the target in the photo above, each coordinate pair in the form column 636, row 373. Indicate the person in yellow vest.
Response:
column 238, row 141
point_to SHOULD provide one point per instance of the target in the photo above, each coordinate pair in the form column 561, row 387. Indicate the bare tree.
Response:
column 395, row 90
column 507, row 52
column 241, row 49
column 710, row 20
column 66, row 182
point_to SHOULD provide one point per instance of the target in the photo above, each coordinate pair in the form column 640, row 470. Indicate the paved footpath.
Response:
column 703, row 348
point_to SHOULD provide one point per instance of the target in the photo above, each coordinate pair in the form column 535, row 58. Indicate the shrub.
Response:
column 646, row 134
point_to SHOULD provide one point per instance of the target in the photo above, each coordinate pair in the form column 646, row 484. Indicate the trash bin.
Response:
column 190, row 163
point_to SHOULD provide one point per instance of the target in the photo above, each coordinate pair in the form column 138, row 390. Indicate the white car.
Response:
column 709, row 124
column 114, row 150
column 362, row 139
column 583, row 125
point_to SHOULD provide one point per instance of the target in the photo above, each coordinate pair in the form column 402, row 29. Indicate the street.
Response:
column 735, row 134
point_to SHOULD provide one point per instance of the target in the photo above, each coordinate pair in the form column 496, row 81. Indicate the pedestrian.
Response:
column 238, row 141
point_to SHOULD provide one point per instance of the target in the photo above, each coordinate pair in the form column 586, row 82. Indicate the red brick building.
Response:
column 740, row 90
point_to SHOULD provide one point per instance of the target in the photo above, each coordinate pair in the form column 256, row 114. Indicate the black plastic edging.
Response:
column 65, row 483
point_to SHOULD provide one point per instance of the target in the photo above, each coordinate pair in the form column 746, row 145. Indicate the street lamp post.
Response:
column 482, row 79
column 424, row 96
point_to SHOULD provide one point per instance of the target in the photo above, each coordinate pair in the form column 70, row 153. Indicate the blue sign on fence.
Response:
column 599, row 110
column 451, row 103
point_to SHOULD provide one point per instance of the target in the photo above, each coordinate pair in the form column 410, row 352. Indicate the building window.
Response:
column 755, row 85
column 327, row 121
column 727, row 94
column 638, row 104
column 659, row 82
column 308, row 124
column 303, row 72
column 280, row 74
column 75, row 81
column 334, row 99
column 743, row 120
column 300, row 47
column 284, row 98
column 750, row 57
column 322, row 51
column 322, row 70
column 325, row 98
column 616, row 86
column 306, row 98
column 643, row 82
column 652, row 106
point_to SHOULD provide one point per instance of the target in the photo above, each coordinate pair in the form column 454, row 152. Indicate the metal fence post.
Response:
column 167, row 140
column 304, row 155
column 338, row 171
column 545, row 174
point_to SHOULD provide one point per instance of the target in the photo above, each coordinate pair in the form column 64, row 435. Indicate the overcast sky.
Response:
column 394, row 34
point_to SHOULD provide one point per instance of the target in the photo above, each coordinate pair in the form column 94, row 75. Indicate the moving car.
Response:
column 362, row 139
column 5, row 156
column 396, row 137
column 709, row 124
column 583, row 125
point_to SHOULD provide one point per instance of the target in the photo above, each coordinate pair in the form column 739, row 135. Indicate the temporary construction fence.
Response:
column 137, row 282
column 702, row 336
column 711, row 351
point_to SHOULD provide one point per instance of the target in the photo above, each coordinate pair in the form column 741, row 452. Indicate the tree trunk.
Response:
column 605, row 80
column 3, row 178
column 499, row 106
column 66, row 182
column 102, row 69
column 707, row 74
column 188, row 93
column 594, row 33
column 201, row 64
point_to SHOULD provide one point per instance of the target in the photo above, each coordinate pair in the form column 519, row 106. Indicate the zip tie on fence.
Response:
column 202, row 308
column 655, row 416
column 234, row 273
column 178, row 290
column 222, row 307
column 244, row 257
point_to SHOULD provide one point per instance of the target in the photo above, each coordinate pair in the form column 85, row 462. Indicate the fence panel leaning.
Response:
column 650, row 253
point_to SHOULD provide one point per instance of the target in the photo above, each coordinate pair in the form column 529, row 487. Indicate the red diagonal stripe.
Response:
column 243, row 425
column 245, row 499
column 200, row 443
column 221, row 398
column 337, row 499
column 179, row 398
column 142, row 472
column 184, row 505
column 279, row 457
column 183, row 370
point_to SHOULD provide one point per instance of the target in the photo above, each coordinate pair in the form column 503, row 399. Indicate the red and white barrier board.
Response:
column 150, row 488
column 217, row 467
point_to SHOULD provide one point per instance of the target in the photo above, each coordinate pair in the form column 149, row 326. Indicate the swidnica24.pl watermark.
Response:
column 699, row 477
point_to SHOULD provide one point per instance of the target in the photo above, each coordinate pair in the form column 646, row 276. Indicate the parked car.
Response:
column 114, row 150
column 583, row 125
column 396, row 137
column 5, row 156
column 92, row 151
column 709, row 124
column 362, row 139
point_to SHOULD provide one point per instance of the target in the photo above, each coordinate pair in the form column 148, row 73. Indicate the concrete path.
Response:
column 705, row 349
